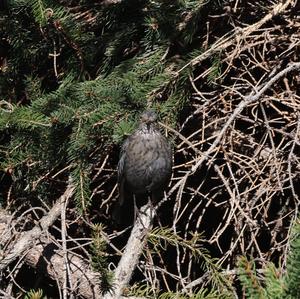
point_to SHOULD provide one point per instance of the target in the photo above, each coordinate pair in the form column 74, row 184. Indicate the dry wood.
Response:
column 28, row 239
column 132, row 252
column 239, row 167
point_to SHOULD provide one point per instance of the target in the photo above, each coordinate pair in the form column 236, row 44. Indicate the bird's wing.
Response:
column 122, row 160
column 121, row 178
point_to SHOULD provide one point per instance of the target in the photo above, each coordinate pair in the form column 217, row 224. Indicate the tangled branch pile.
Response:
column 224, row 78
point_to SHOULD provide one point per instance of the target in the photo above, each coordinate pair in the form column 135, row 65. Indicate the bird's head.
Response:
column 148, row 120
column 148, row 117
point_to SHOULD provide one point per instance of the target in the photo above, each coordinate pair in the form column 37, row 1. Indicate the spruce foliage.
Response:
column 99, row 261
column 55, row 103
column 272, row 283
column 75, row 76
column 291, row 279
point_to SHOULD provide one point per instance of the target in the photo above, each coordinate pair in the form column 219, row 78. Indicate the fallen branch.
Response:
column 28, row 238
column 49, row 260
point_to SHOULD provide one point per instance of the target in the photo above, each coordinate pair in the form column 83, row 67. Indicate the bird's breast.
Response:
column 147, row 162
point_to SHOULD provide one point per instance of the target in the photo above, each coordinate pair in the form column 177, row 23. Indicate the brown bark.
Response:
column 47, row 259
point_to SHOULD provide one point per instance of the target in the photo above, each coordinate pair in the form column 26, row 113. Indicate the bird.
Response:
column 145, row 163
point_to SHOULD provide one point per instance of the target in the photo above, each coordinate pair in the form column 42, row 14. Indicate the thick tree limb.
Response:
column 132, row 252
column 45, row 257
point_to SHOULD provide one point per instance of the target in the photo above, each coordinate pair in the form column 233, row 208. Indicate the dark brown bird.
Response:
column 145, row 164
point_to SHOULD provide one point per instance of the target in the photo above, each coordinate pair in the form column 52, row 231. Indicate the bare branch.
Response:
column 132, row 251
column 28, row 239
